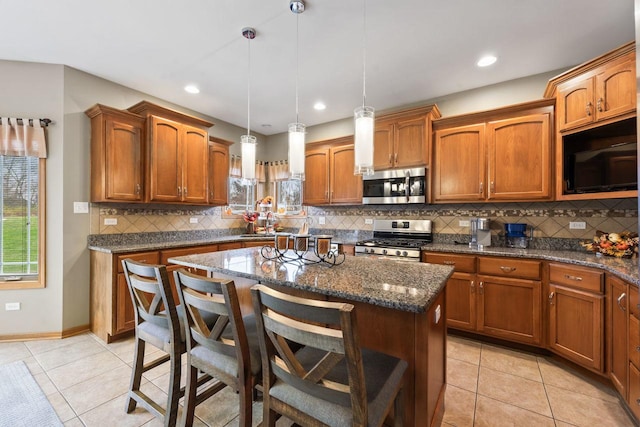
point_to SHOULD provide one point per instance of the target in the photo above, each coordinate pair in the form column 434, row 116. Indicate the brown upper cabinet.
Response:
column 117, row 155
column 218, row 170
column 402, row 139
column 177, row 155
column 329, row 174
column 599, row 90
column 498, row 155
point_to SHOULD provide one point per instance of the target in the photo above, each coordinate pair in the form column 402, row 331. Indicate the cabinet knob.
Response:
column 588, row 109
column 620, row 299
column 599, row 104
column 638, row 349
column 551, row 295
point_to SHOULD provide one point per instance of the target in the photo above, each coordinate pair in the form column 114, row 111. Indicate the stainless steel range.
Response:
column 397, row 238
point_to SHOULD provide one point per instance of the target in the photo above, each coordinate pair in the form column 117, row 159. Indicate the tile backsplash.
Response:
column 549, row 219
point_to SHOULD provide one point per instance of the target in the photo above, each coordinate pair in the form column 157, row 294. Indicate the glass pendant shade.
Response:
column 363, row 144
column 248, row 145
column 296, row 151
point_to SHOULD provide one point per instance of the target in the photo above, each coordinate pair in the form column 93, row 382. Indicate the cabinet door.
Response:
column 459, row 164
column 410, row 143
column 616, row 90
column 575, row 325
column 218, row 174
column 123, row 161
column 346, row 188
column 575, row 104
column 125, row 317
column 519, row 152
column 164, row 161
column 617, row 309
column 510, row 309
column 383, row 140
column 316, row 184
column 461, row 301
column 634, row 390
column 194, row 164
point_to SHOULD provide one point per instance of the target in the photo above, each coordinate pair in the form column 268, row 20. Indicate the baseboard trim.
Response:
column 46, row 335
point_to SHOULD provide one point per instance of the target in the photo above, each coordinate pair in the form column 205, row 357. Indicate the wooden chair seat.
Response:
column 228, row 350
column 330, row 380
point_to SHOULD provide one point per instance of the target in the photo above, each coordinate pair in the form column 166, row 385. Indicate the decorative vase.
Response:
column 251, row 229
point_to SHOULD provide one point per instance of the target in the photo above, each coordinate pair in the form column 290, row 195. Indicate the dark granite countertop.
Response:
column 625, row 268
column 400, row 285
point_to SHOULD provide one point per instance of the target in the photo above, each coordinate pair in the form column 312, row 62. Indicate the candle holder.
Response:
column 294, row 248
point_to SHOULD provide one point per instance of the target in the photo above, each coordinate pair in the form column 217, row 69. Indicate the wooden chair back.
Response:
column 151, row 296
column 328, row 327
column 207, row 298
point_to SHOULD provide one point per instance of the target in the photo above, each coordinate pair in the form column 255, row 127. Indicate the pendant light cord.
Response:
column 364, row 52
column 248, row 85
column 297, row 62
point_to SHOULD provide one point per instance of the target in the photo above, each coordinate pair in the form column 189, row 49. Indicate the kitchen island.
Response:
column 400, row 309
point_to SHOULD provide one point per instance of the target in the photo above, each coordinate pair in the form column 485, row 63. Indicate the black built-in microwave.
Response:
column 395, row 186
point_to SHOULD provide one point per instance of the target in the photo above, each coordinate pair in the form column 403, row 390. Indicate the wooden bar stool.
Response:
column 157, row 323
column 227, row 350
column 330, row 381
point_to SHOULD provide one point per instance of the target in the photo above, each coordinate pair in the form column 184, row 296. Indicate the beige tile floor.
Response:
column 86, row 382
column 488, row 385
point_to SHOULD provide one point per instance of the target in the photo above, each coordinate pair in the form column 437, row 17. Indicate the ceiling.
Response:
column 415, row 49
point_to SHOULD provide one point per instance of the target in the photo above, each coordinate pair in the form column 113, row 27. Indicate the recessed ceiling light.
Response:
column 192, row 89
column 265, row 125
column 487, row 60
column 319, row 106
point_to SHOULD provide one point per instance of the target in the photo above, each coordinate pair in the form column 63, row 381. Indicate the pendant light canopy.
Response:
column 248, row 142
column 364, row 116
column 296, row 130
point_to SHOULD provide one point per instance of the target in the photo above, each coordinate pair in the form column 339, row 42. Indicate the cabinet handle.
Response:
column 551, row 295
column 493, row 187
column 184, row 190
column 473, row 288
column 637, row 401
column 395, row 158
column 570, row 277
column 507, row 269
column 390, row 158
column 481, row 187
column 481, row 288
column 588, row 109
column 620, row 298
column 137, row 189
column 179, row 191
column 600, row 104
column 638, row 349
column 449, row 262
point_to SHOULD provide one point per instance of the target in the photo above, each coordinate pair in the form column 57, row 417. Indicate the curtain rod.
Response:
column 43, row 122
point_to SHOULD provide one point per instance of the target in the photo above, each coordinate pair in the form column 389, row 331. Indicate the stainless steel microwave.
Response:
column 395, row 186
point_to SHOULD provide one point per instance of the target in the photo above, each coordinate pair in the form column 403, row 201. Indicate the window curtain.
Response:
column 278, row 170
column 22, row 138
column 235, row 169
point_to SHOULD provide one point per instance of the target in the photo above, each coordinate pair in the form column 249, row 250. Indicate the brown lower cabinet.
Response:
column 633, row 397
column 112, row 315
column 617, row 321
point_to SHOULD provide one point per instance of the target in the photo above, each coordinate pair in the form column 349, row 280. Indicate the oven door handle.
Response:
column 407, row 183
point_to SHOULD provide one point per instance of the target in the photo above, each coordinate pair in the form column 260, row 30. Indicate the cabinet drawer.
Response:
column 634, row 341
column 576, row 277
column 509, row 267
column 461, row 263
column 145, row 257
column 170, row 253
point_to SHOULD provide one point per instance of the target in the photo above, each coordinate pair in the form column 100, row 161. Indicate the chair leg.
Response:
column 246, row 401
column 190, row 396
column 269, row 416
column 136, row 374
column 398, row 409
column 173, row 398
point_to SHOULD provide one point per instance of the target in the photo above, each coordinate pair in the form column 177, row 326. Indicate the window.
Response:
column 241, row 197
column 289, row 197
column 22, row 225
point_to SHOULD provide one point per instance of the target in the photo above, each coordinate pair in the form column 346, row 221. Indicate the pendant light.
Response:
column 297, row 129
column 364, row 116
column 248, row 142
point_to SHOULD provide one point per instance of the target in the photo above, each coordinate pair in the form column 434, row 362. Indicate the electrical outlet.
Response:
column 111, row 221
column 321, row 220
column 368, row 221
column 80, row 207
column 12, row 306
column 193, row 220
column 464, row 223
column 577, row 225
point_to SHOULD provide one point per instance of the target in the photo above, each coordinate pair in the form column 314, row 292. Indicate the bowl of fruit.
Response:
column 620, row 245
